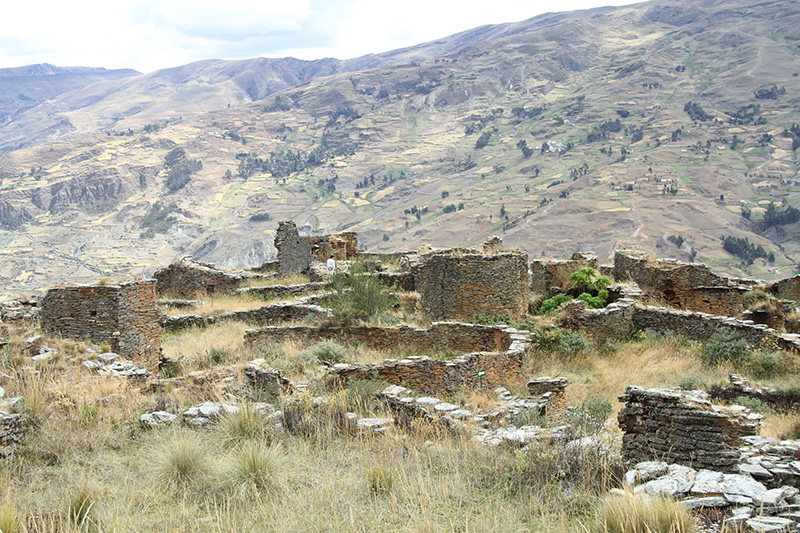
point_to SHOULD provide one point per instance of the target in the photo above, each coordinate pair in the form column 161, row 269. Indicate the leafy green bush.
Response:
column 528, row 416
column 754, row 404
column 690, row 383
column 590, row 416
column 569, row 343
column 328, row 350
column 358, row 296
column 766, row 364
column 551, row 305
column 725, row 346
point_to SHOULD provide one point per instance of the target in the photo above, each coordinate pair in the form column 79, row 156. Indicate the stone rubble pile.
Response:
column 264, row 382
column 772, row 462
column 752, row 506
column 683, row 427
column 109, row 364
column 433, row 410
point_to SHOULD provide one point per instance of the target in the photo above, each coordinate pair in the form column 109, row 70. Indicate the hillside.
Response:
column 650, row 126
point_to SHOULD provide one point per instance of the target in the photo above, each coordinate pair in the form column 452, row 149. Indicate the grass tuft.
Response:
column 639, row 513
column 9, row 521
column 181, row 460
column 243, row 425
column 380, row 479
column 81, row 507
column 252, row 468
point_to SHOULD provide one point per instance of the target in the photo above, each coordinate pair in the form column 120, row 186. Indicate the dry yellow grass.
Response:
column 193, row 341
column 218, row 304
column 287, row 279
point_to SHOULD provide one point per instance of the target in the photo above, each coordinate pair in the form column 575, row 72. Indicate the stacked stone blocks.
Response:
column 124, row 316
column 682, row 427
column 456, row 285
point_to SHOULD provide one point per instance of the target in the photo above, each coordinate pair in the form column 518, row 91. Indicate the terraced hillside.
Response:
column 664, row 126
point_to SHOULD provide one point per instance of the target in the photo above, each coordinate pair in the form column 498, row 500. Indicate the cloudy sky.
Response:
column 151, row 34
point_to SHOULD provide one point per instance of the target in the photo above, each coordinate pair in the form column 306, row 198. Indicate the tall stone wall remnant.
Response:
column 296, row 252
column 683, row 427
column 458, row 284
column 124, row 316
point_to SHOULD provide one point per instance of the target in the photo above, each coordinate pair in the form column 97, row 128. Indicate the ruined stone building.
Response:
column 124, row 316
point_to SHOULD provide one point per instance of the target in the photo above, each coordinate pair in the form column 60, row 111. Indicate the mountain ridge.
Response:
column 654, row 126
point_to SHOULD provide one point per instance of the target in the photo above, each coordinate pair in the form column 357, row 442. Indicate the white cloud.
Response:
column 152, row 34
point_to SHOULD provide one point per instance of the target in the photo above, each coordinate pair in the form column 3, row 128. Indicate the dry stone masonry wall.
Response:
column 295, row 253
column 124, row 316
column 547, row 274
column 624, row 314
column 188, row 279
column 682, row 427
column 780, row 400
column 497, row 353
column 457, row 285
column 691, row 286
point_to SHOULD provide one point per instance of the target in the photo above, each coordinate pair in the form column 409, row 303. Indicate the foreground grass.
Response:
column 86, row 464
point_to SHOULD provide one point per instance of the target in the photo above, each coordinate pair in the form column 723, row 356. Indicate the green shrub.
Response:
column 330, row 351
column 361, row 395
column 569, row 343
column 358, row 296
column 528, row 417
column 794, row 431
column 766, row 364
column 754, row 404
column 626, row 514
column 725, row 346
column 590, row 416
column 690, row 383
column 551, row 305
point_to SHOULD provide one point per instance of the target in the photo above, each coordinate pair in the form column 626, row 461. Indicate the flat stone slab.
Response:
column 374, row 424
column 768, row 524
column 157, row 418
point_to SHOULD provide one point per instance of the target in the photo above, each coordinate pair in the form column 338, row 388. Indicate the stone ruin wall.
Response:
column 691, row 286
column 458, row 285
column 682, row 427
column 786, row 289
column 498, row 351
column 619, row 317
column 124, row 316
column 268, row 314
column 189, row 279
column 342, row 246
column 12, row 430
column 549, row 273
column 780, row 400
column 295, row 253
